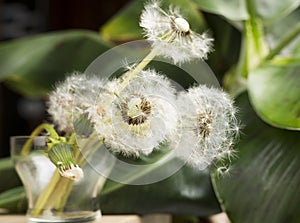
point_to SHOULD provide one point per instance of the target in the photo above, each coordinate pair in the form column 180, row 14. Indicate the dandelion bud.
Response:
column 61, row 155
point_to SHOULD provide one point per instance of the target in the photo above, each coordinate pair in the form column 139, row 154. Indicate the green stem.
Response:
column 72, row 139
column 253, row 23
column 130, row 75
column 242, row 68
column 283, row 42
column 45, row 196
column 36, row 132
column 86, row 145
column 101, row 182
column 83, row 161
column 137, row 175
column 256, row 47
column 64, row 186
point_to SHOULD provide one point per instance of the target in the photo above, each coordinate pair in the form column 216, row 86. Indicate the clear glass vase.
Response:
column 52, row 198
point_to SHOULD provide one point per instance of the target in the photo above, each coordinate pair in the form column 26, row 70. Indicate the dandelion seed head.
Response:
column 203, row 127
column 141, row 117
column 208, row 126
column 136, row 111
column 72, row 96
column 171, row 35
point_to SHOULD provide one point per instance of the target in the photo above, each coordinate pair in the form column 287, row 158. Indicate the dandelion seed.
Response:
column 223, row 170
column 141, row 117
column 72, row 172
column 209, row 126
column 171, row 35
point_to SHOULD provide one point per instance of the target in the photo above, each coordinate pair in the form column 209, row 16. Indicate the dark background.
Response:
column 19, row 115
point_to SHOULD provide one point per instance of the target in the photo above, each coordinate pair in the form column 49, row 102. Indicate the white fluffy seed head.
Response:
column 141, row 117
column 209, row 126
column 71, row 97
column 171, row 35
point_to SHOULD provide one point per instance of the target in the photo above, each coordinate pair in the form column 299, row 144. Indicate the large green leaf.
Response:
column 13, row 200
column 226, row 44
column 32, row 65
column 124, row 26
column 237, row 10
column 274, row 91
column 272, row 10
column 264, row 182
column 186, row 192
column 277, row 31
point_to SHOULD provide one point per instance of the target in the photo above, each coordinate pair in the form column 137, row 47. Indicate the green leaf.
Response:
column 276, row 32
column 226, row 44
column 187, row 192
column 235, row 10
column 272, row 10
column 13, row 200
column 275, row 93
column 32, row 65
column 9, row 177
column 124, row 26
column 263, row 185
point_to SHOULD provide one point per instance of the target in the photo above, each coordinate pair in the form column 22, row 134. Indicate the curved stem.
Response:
column 43, row 198
column 36, row 132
